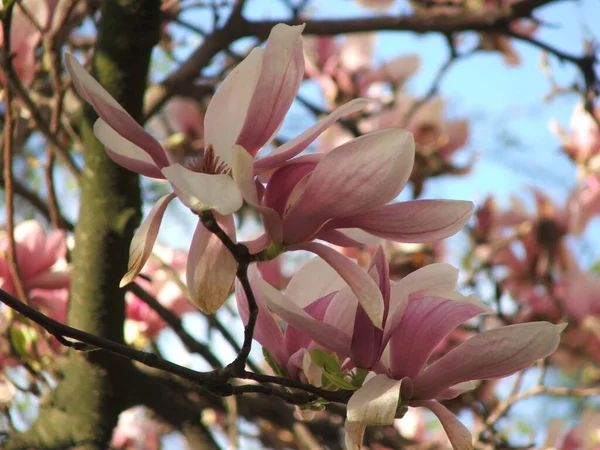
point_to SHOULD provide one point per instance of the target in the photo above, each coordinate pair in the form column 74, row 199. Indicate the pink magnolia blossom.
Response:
column 236, row 128
column 165, row 285
column 25, row 35
column 583, row 436
column 342, row 197
column 42, row 262
column 344, row 68
column 419, row 312
column 137, row 430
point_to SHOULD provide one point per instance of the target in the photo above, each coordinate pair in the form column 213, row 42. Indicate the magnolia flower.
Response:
column 236, row 128
column 342, row 197
column 409, row 381
column 25, row 35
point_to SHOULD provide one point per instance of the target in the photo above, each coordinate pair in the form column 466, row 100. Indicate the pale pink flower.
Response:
column 582, row 142
column 585, row 435
column 25, row 35
column 41, row 257
column 136, row 430
column 244, row 116
column 342, row 198
column 377, row 5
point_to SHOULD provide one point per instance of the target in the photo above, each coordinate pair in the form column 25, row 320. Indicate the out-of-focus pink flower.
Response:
column 583, row 204
column 44, row 269
column 583, row 436
column 25, row 35
column 344, row 68
column 582, row 143
column 136, row 430
column 164, row 282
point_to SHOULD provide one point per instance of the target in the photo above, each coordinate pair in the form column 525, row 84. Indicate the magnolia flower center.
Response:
column 208, row 163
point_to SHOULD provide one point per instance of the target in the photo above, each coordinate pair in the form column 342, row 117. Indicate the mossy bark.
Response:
column 84, row 408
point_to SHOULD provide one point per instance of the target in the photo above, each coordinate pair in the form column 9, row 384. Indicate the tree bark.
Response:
column 84, row 408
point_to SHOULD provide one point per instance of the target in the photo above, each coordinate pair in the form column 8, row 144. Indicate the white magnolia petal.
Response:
column 321, row 332
column 353, row 435
column 201, row 191
column 376, row 402
column 144, row 239
column 314, row 280
column 211, row 267
column 361, row 283
column 226, row 113
column 360, row 236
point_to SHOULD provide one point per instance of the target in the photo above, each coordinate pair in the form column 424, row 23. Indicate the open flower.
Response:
column 409, row 381
column 342, row 197
column 242, row 118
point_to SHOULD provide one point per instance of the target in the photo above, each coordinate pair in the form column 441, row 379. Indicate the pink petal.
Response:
column 280, row 76
column 493, row 354
column 367, row 341
column 227, row 111
column 426, row 321
column 211, row 268
column 375, row 403
column 301, row 142
column 413, row 221
column 112, row 113
column 319, row 331
column 144, row 239
column 356, row 177
column 267, row 331
column 202, row 191
column 363, row 286
column 459, row 435
column 125, row 153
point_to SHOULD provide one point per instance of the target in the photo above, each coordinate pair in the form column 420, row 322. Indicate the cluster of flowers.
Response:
column 541, row 272
column 346, row 327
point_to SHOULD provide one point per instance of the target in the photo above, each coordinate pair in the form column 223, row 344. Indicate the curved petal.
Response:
column 125, row 153
column 280, row 76
column 112, row 113
column 493, row 354
column 313, row 280
column 242, row 170
column 367, row 341
column 227, row 111
column 353, row 435
column 434, row 279
column 201, row 191
column 291, row 148
column 426, row 321
column 211, row 268
column 412, row 221
column 321, row 332
column 363, row 286
column 356, row 177
column 267, row 331
column 376, row 402
column 144, row 239
column 459, row 436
